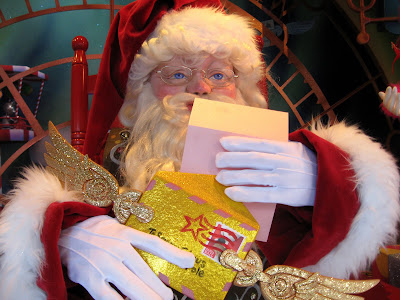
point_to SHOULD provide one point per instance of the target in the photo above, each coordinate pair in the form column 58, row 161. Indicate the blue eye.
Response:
column 218, row 76
column 178, row 76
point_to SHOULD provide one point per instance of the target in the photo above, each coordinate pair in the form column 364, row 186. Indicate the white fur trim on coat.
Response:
column 377, row 184
column 21, row 222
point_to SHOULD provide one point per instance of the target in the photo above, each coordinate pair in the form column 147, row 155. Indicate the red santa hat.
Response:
column 144, row 33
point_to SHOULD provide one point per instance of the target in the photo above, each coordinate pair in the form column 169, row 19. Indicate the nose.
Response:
column 198, row 85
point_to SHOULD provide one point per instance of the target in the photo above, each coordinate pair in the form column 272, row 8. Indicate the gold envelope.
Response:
column 193, row 213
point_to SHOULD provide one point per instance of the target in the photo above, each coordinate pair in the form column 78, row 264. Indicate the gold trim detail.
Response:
column 284, row 282
column 98, row 186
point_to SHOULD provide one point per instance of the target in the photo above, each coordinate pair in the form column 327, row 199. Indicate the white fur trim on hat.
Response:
column 377, row 184
column 209, row 30
column 21, row 221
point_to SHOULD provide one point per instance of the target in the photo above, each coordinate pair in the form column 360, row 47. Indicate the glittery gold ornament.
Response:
column 284, row 282
column 97, row 185
column 193, row 213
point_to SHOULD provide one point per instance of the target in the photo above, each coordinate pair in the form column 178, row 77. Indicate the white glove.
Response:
column 269, row 171
column 99, row 251
column 391, row 100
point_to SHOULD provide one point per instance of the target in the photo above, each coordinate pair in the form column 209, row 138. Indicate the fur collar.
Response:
column 377, row 184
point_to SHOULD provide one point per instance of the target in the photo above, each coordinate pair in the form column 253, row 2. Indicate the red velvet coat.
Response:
column 299, row 236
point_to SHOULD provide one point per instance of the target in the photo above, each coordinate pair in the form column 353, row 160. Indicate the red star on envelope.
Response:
column 196, row 225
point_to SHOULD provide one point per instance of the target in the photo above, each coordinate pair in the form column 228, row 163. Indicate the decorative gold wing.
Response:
column 284, row 282
column 98, row 186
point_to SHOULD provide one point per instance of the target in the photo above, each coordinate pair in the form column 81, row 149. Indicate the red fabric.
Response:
column 387, row 112
column 302, row 236
column 382, row 291
column 60, row 215
column 129, row 29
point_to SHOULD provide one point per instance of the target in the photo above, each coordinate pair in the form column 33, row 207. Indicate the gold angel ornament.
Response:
column 284, row 282
column 98, row 186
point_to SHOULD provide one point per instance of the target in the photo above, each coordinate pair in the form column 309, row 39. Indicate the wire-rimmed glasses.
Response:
column 180, row 75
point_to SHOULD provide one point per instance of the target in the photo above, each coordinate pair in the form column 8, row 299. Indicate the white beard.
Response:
column 158, row 135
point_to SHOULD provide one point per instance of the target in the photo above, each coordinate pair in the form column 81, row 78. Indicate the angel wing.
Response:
column 98, row 186
column 292, row 283
column 78, row 172
column 285, row 282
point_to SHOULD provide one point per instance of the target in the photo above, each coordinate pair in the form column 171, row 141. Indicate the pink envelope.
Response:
column 211, row 120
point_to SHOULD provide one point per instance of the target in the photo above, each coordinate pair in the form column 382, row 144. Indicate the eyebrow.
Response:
column 220, row 64
column 217, row 63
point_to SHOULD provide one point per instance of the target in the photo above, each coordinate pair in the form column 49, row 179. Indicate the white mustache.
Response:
column 176, row 107
column 182, row 100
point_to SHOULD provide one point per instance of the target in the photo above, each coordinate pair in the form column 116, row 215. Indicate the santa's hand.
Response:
column 258, row 170
column 99, row 251
column 391, row 100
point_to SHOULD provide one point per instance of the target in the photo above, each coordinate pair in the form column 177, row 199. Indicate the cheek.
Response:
column 229, row 91
column 160, row 89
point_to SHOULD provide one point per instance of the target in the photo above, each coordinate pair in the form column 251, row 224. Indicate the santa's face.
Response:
column 163, row 110
column 197, row 85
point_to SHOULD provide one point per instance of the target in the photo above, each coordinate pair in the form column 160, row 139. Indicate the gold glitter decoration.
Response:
column 249, row 270
column 126, row 204
column 98, row 186
column 284, row 282
column 193, row 213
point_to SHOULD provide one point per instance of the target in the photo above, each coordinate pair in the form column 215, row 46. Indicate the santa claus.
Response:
column 337, row 190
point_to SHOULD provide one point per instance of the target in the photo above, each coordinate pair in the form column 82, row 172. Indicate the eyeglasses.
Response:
column 181, row 75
